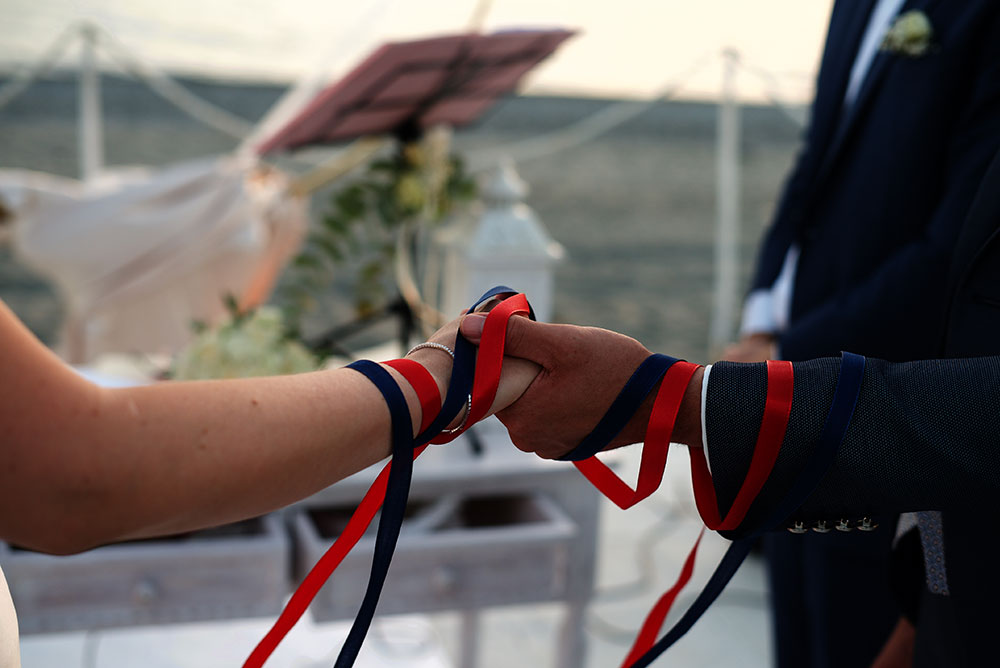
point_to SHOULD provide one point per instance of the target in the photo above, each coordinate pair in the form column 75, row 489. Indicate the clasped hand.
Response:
column 559, row 380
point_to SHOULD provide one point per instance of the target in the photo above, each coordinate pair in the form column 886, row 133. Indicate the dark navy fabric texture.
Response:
column 834, row 429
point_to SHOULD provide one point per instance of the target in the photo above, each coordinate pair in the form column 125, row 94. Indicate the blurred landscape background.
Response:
column 635, row 208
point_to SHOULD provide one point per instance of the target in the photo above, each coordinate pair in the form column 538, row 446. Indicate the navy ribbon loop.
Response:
column 636, row 389
column 393, row 508
column 838, row 419
column 401, row 473
column 462, row 374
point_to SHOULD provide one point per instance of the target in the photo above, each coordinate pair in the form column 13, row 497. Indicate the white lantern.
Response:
column 507, row 245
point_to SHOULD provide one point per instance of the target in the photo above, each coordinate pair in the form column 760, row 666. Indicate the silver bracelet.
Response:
column 431, row 344
column 465, row 418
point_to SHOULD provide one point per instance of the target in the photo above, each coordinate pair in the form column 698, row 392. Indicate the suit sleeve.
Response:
column 898, row 311
column 924, row 436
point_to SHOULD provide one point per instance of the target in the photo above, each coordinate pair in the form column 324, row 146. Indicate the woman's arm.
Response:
column 84, row 465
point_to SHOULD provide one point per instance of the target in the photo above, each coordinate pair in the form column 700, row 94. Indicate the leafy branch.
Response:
column 420, row 183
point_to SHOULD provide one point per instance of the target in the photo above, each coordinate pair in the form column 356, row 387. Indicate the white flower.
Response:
column 910, row 34
column 254, row 346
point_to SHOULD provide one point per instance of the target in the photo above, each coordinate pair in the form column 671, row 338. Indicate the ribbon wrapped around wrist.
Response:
column 476, row 373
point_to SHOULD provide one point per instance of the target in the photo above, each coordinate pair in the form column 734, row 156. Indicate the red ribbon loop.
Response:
column 654, row 450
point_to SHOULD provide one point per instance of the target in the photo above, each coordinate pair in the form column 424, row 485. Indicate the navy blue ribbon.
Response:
column 398, row 485
column 462, row 374
column 838, row 419
column 639, row 385
column 393, row 508
column 625, row 405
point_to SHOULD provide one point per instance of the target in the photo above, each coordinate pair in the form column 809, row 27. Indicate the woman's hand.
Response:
column 517, row 374
column 582, row 370
column 435, row 360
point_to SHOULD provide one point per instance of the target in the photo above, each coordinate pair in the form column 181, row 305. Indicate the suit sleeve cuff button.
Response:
column 798, row 527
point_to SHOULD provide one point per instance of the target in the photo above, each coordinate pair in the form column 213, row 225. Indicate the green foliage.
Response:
column 362, row 223
column 249, row 343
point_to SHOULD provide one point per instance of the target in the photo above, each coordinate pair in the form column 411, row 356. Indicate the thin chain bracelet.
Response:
column 432, row 344
column 465, row 418
column 468, row 401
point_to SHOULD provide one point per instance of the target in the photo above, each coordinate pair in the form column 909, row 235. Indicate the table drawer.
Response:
column 239, row 570
column 453, row 553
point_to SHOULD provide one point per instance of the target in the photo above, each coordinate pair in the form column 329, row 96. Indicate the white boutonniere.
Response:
column 909, row 35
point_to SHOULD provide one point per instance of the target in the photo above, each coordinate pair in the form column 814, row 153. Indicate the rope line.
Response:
column 170, row 90
column 588, row 128
column 28, row 74
column 616, row 114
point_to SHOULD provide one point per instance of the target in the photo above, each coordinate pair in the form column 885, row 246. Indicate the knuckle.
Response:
column 515, row 335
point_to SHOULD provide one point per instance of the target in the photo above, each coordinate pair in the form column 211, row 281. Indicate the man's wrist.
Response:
column 687, row 427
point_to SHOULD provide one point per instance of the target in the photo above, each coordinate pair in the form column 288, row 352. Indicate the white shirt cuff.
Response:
column 704, row 432
column 781, row 291
column 758, row 313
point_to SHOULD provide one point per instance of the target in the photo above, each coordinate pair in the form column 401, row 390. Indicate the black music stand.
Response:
column 403, row 88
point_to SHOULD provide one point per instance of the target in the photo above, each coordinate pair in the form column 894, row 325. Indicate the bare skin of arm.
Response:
column 85, row 465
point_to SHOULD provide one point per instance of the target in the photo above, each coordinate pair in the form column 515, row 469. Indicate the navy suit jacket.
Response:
column 878, row 194
column 924, row 436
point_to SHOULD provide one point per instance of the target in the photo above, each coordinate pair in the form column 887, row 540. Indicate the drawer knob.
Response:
column 145, row 591
column 444, row 580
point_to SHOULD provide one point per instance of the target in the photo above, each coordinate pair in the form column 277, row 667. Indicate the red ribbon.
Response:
column 324, row 568
column 654, row 450
column 777, row 409
column 423, row 383
column 653, row 462
column 489, row 364
column 654, row 619
column 489, row 361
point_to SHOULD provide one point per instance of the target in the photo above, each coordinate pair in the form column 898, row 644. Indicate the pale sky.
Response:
column 625, row 47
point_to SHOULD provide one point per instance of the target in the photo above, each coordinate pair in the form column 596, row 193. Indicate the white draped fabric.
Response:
column 138, row 254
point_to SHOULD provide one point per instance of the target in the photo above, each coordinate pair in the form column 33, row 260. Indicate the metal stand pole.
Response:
column 89, row 132
column 468, row 646
column 727, row 193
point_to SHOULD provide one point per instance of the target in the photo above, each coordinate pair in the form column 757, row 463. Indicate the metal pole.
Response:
column 727, row 194
column 468, row 642
column 89, row 131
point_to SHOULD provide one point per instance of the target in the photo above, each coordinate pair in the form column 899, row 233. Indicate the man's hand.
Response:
column 899, row 648
column 582, row 371
column 758, row 347
column 516, row 376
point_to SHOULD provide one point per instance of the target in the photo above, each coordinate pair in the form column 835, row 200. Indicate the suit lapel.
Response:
column 847, row 24
column 876, row 73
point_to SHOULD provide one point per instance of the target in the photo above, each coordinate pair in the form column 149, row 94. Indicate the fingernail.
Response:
column 472, row 325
